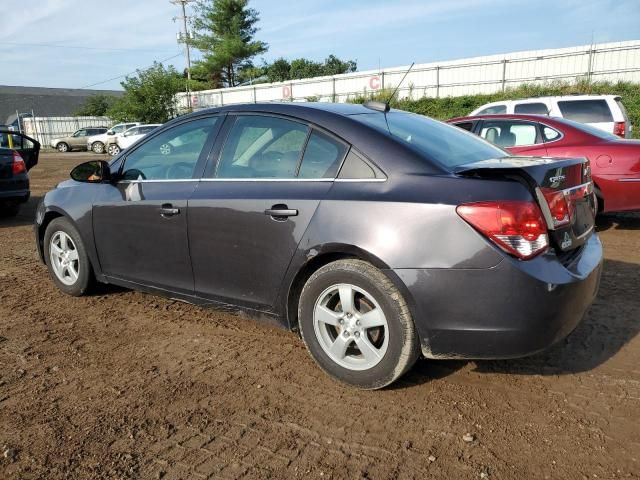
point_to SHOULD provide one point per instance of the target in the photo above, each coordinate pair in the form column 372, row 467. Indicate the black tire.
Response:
column 9, row 209
column 403, row 345
column 85, row 278
column 599, row 199
column 63, row 147
column 97, row 147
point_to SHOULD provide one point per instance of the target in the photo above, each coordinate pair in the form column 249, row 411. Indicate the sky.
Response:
column 93, row 43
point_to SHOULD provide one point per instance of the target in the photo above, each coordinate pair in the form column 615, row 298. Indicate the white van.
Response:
column 605, row 112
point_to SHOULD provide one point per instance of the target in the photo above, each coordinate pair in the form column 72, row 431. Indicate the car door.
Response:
column 254, row 203
column 27, row 147
column 517, row 136
column 140, row 221
column 128, row 137
column 79, row 138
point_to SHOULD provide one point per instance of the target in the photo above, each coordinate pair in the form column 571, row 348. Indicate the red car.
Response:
column 615, row 162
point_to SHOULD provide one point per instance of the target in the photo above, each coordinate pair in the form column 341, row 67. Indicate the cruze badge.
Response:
column 566, row 243
column 557, row 179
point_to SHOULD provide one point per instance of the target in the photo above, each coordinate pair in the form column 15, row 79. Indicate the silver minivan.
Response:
column 605, row 112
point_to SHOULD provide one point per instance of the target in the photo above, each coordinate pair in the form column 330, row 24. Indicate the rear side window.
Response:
column 322, row 157
column 586, row 111
column 531, row 108
column 468, row 126
column 494, row 110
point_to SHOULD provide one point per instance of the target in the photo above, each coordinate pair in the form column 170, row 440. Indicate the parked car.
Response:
column 124, row 140
column 605, row 112
column 97, row 143
column 615, row 163
column 76, row 141
column 376, row 235
column 18, row 154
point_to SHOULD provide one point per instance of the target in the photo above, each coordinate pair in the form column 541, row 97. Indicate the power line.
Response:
column 80, row 47
column 130, row 73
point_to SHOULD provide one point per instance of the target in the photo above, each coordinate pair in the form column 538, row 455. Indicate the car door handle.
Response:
column 168, row 210
column 281, row 211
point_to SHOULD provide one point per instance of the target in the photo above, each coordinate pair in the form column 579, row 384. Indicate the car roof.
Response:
column 511, row 116
column 336, row 118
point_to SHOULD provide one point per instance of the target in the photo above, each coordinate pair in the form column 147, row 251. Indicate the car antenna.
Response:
column 385, row 106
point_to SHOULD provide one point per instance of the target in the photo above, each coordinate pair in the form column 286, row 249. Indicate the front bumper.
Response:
column 511, row 310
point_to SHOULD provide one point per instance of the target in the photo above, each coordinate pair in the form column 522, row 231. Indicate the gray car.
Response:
column 379, row 235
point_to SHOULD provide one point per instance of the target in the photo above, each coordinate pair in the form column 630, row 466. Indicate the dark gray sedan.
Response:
column 378, row 235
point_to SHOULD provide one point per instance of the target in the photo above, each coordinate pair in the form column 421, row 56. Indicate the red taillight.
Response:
column 618, row 129
column 558, row 206
column 515, row 226
column 18, row 165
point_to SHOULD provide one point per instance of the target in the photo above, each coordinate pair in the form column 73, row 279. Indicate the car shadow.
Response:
column 25, row 216
column 612, row 322
column 618, row 221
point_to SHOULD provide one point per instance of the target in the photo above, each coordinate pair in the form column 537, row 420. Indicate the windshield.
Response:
column 596, row 132
column 445, row 144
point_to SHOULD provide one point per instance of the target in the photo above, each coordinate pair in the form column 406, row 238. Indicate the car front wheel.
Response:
column 66, row 258
column 356, row 324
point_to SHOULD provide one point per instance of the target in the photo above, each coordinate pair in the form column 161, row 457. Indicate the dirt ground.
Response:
column 127, row 385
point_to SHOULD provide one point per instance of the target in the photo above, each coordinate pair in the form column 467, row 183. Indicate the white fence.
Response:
column 45, row 129
column 598, row 62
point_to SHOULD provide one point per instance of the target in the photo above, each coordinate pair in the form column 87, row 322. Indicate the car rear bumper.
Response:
column 14, row 189
column 512, row 310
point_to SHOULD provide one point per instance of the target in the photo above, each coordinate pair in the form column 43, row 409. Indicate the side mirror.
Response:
column 110, row 132
column 95, row 171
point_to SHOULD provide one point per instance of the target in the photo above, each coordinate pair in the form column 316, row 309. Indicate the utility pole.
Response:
column 185, row 36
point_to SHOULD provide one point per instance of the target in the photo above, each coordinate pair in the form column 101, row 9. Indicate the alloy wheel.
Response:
column 351, row 327
column 64, row 258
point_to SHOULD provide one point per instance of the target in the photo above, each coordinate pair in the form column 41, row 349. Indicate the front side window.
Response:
column 448, row 145
column 132, row 131
column 172, row 155
column 494, row 110
column 80, row 133
column 531, row 108
column 586, row 111
column 260, row 146
column 509, row 134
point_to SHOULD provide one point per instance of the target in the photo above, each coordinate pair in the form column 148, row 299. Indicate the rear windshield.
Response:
column 448, row 145
column 586, row 111
column 591, row 130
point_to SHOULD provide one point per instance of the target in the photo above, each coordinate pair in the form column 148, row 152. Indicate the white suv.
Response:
column 129, row 137
column 605, row 112
column 97, row 142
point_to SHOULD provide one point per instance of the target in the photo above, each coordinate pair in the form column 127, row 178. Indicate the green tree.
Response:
column 224, row 33
column 149, row 95
column 96, row 105
column 281, row 70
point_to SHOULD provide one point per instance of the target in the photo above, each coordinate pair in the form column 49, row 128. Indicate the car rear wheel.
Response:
column 66, row 258
column 97, row 147
column 113, row 149
column 62, row 147
column 357, row 325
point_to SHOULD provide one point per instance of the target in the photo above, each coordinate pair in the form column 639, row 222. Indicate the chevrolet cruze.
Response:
column 378, row 234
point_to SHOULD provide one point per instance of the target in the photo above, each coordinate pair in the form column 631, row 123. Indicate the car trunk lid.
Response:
column 562, row 187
